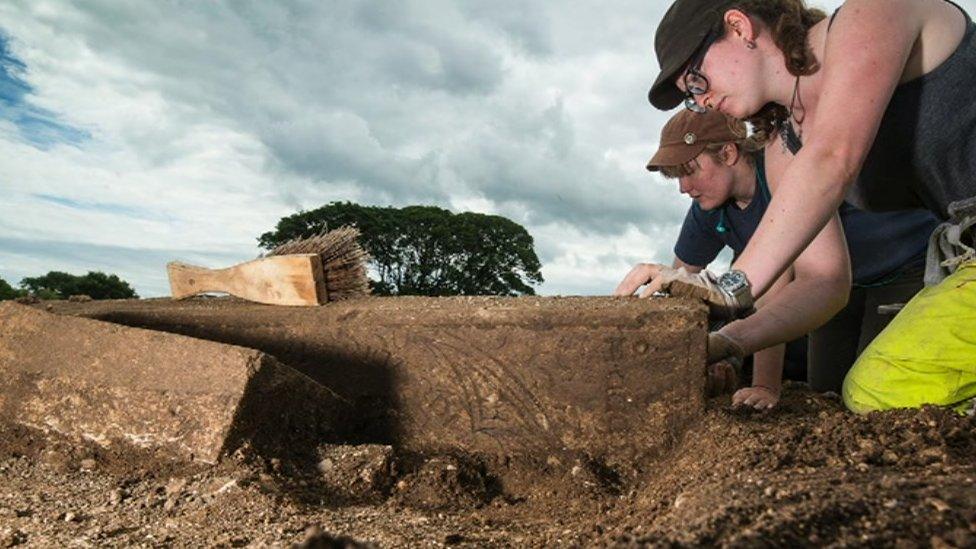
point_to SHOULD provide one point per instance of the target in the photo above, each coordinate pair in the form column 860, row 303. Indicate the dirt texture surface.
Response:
column 608, row 379
column 807, row 473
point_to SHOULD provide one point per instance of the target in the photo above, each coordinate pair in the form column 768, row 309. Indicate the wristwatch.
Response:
column 735, row 285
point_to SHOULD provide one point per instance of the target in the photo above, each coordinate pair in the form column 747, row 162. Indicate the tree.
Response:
column 7, row 291
column 96, row 285
column 425, row 250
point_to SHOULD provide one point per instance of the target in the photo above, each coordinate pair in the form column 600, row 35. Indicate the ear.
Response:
column 731, row 154
column 740, row 27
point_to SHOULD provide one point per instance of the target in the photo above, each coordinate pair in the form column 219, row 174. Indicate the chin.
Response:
column 707, row 204
column 735, row 111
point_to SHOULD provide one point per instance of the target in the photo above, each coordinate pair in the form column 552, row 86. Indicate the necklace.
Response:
column 793, row 141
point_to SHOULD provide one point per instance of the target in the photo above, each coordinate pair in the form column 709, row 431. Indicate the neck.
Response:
column 743, row 183
column 781, row 84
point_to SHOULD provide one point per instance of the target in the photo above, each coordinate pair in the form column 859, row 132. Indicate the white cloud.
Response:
column 209, row 121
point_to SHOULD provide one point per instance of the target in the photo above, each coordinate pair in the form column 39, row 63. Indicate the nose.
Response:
column 704, row 100
column 684, row 184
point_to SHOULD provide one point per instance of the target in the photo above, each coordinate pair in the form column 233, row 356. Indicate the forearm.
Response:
column 813, row 188
column 767, row 368
column 797, row 309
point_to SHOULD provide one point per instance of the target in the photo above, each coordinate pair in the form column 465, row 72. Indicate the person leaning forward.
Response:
column 875, row 104
column 724, row 172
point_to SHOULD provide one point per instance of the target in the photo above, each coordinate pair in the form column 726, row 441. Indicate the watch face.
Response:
column 732, row 280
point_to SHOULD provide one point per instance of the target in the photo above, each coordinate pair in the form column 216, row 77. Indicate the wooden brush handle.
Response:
column 280, row 280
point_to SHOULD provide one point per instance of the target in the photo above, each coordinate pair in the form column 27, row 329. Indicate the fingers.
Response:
column 655, row 285
column 720, row 379
column 657, row 282
column 637, row 277
column 754, row 397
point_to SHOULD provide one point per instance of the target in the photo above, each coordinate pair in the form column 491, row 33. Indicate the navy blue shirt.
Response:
column 882, row 245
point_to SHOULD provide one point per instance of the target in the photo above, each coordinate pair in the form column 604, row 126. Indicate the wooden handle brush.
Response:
column 311, row 271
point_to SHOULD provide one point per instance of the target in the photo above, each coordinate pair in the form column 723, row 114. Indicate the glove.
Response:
column 722, row 347
column 702, row 285
column 724, row 364
column 721, row 378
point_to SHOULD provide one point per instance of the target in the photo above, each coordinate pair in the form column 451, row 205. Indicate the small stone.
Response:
column 175, row 486
column 88, row 464
column 326, row 465
column 115, row 497
column 70, row 516
column 170, row 504
column 939, row 505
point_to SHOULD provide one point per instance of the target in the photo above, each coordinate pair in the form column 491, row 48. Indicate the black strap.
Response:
column 831, row 22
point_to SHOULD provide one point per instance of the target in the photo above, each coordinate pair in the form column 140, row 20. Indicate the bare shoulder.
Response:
column 924, row 32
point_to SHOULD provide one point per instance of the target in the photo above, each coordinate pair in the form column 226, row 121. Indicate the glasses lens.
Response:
column 695, row 82
column 693, row 106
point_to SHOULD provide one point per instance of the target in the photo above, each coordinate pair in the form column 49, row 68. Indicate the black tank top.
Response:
column 924, row 155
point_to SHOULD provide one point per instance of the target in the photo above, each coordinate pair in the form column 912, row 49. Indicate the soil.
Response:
column 805, row 473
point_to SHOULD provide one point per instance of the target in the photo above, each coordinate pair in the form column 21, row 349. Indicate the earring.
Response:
column 751, row 44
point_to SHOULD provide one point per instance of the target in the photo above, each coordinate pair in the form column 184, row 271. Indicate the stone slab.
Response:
column 615, row 378
column 106, row 382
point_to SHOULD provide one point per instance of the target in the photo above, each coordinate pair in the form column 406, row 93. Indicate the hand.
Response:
column 721, row 346
column 721, row 378
column 759, row 397
column 703, row 286
column 641, row 274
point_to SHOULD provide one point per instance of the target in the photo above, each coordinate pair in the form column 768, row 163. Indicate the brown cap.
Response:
column 687, row 134
column 681, row 32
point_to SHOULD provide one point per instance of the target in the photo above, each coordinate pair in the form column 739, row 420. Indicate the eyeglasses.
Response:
column 696, row 83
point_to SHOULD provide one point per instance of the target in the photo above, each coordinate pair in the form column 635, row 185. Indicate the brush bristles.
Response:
column 343, row 260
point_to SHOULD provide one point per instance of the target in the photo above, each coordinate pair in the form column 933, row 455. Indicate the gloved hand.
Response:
column 721, row 378
column 724, row 364
column 723, row 347
column 701, row 285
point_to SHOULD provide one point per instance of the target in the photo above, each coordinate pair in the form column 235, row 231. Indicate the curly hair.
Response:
column 789, row 22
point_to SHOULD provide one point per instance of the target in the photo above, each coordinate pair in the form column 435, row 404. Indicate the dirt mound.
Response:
column 806, row 473
column 810, row 472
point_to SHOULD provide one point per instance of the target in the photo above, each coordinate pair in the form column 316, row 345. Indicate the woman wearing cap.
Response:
column 724, row 172
column 878, row 97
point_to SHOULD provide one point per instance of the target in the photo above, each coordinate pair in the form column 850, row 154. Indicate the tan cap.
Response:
column 687, row 134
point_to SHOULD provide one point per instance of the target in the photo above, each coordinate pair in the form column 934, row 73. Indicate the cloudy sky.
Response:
column 137, row 132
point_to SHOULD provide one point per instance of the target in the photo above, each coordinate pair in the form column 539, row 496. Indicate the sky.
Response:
column 140, row 132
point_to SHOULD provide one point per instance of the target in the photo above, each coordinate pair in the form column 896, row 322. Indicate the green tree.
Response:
column 96, row 285
column 425, row 250
column 8, row 292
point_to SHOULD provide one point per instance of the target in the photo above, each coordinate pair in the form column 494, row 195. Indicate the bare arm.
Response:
column 865, row 56
column 820, row 289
